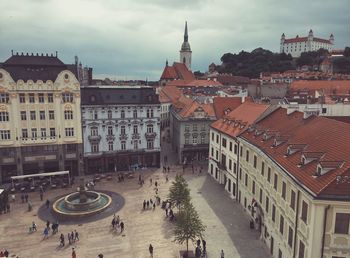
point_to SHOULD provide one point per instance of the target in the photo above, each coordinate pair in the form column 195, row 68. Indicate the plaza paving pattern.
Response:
column 227, row 225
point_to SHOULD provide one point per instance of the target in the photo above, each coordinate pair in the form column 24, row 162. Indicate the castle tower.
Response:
column 283, row 38
column 331, row 39
column 185, row 52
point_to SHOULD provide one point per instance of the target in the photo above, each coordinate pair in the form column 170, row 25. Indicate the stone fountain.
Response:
column 81, row 203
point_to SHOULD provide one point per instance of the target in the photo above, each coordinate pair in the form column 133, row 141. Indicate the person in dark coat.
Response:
column 150, row 248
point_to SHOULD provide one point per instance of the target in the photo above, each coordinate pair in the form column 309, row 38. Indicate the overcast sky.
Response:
column 131, row 39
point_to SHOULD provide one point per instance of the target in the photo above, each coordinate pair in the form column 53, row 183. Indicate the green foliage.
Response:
column 347, row 52
column 252, row 64
column 312, row 58
column 179, row 193
column 188, row 225
column 341, row 65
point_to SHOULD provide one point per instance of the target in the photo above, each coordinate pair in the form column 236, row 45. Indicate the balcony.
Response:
column 95, row 138
column 110, row 137
column 222, row 166
column 135, row 136
column 196, row 146
column 123, row 136
column 150, row 135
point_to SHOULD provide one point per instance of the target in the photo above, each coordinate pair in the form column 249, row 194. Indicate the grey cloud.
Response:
column 133, row 38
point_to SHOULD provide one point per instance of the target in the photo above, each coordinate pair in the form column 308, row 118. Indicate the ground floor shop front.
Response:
column 107, row 163
column 40, row 159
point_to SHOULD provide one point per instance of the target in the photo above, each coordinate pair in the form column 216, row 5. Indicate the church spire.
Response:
column 186, row 33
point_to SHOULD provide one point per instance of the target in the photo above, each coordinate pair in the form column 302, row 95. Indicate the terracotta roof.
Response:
column 295, row 40
column 329, row 87
column 239, row 119
column 322, row 40
column 163, row 98
column 229, row 79
column 171, row 93
column 304, row 39
column 178, row 71
column 183, row 71
column 193, row 83
column 224, row 105
column 169, row 73
column 188, row 110
column 345, row 119
column 328, row 138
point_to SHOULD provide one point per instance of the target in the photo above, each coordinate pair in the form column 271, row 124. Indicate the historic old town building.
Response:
column 40, row 127
column 121, row 128
column 293, row 181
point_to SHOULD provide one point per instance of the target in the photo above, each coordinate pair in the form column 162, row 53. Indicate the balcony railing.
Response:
column 150, row 135
column 94, row 137
column 123, row 136
column 135, row 136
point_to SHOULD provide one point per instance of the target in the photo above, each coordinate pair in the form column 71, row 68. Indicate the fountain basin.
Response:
column 72, row 206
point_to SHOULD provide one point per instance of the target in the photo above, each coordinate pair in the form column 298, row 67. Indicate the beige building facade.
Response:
column 40, row 120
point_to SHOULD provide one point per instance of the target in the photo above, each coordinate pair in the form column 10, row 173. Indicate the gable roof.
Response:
column 194, row 83
column 240, row 118
column 319, row 135
column 225, row 104
column 178, row 71
column 329, row 87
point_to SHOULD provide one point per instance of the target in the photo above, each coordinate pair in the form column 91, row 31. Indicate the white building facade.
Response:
column 296, row 46
column 121, row 128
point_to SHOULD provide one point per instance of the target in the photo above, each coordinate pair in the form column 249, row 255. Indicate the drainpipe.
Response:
column 324, row 229
column 237, row 167
column 296, row 224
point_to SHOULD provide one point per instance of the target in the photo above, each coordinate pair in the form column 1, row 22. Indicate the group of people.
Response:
column 169, row 213
column 166, row 169
column 24, row 197
column 54, row 228
column 120, row 177
column 71, row 236
column 117, row 223
column 4, row 253
column 201, row 252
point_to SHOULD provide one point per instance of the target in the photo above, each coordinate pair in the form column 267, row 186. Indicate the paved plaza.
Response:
column 227, row 226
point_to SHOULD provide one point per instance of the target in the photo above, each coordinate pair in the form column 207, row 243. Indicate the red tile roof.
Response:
column 171, row 93
column 329, row 87
column 183, row 71
column 295, row 40
column 240, row 118
column 304, row 39
column 188, row 110
column 223, row 105
column 320, row 135
column 169, row 73
column 193, row 83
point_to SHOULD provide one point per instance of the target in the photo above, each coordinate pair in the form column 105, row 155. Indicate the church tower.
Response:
column 185, row 52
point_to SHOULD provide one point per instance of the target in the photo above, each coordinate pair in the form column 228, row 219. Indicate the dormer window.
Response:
column 325, row 166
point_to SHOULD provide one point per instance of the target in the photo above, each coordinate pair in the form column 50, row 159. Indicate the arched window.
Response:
column 122, row 114
column 135, row 113
column 184, row 60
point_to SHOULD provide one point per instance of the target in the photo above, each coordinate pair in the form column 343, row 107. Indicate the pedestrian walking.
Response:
column 168, row 169
column 48, row 224
column 150, row 248
column 144, row 204
column 72, row 237
column 41, row 196
column 62, row 240
column 69, row 238
column 26, row 197
column 166, row 212
column 113, row 223
column 117, row 221
column 46, row 233
column 47, row 203
column 147, row 204
column 74, row 255
column 34, row 228
column 121, row 227
column 151, row 201
column 154, row 206
column 166, row 178
column 76, row 235
column 222, row 254
column 204, row 246
column 156, row 183
column 150, row 180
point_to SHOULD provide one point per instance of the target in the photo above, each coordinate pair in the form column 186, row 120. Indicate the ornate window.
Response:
column 135, row 129
column 34, row 133
column 68, row 114
column 122, row 129
column 24, row 133
column 43, row 132
column 41, row 98
column 110, row 146
column 94, row 147
column 109, row 114
column 51, row 114
column 42, row 115
column 69, row 132
column 52, row 132
column 5, row 135
column 110, row 130
column 134, row 114
column 123, row 145
column 150, row 144
column 50, row 97
column 94, row 131
column 122, row 114
column 32, row 115
column 22, row 98
column 149, row 128
column 136, row 144
column 31, row 98
column 4, row 116
column 67, row 97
